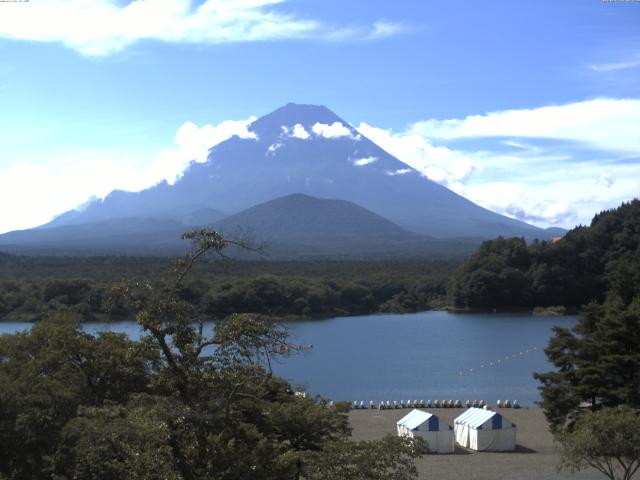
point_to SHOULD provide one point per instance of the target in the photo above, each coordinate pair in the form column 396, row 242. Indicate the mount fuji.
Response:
column 297, row 149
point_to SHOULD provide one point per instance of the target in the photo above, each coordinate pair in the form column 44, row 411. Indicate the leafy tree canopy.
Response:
column 607, row 440
column 572, row 271
column 179, row 404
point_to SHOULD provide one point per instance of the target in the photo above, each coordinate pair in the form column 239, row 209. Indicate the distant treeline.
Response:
column 32, row 288
column 573, row 271
column 502, row 274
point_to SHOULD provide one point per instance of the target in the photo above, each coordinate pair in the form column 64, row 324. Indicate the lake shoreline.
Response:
column 546, row 311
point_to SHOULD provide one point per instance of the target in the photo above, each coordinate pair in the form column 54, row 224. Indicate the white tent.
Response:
column 438, row 435
column 480, row 429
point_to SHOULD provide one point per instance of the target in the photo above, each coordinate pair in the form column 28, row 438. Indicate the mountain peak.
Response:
column 292, row 114
column 308, row 220
column 304, row 109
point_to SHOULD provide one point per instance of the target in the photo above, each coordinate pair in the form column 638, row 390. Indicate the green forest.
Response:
column 575, row 270
column 33, row 287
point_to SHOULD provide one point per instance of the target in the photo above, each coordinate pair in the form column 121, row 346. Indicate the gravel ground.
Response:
column 535, row 458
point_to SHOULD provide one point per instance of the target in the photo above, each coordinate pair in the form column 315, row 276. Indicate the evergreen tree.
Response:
column 596, row 361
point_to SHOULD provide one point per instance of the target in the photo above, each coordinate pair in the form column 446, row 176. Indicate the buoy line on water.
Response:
column 440, row 404
column 500, row 361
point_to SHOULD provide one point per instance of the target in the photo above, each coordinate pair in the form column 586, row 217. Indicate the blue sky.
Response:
column 531, row 109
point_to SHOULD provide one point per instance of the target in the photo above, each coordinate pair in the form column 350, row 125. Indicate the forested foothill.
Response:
column 33, row 287
column 573, row 271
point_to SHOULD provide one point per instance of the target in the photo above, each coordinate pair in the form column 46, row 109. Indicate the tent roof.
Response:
column 414, row 419
column 475, row 417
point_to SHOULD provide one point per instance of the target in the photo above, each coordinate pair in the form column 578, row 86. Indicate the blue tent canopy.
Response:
column 476, row 417
column 414, row 419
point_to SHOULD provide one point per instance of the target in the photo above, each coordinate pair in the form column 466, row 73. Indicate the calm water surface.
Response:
column 425, row 355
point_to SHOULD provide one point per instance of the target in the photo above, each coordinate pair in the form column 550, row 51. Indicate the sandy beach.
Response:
column 535, row 458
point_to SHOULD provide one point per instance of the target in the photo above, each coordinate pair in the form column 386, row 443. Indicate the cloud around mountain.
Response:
column 324, row 130
column 608, row 124
column 335, row 130
column 552, row 165
column 547, row 181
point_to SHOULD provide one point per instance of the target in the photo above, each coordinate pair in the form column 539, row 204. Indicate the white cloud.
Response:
column 300, row 132
column 528, row 203
column 608, row 124
column 335, row 130
column 605, row 180
column 551, row 199
column 194, row 142
column 102, row 27
column 522, row 146
column 541, row 184
column 440, row 164
column 400, row 171
column 612, row 67
column 386, row 29
column 70, row 176
column 361, row 162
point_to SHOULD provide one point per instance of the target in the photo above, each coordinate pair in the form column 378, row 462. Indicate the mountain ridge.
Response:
column 304, row 149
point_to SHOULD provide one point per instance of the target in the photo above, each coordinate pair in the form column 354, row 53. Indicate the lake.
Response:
column 428, row 355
